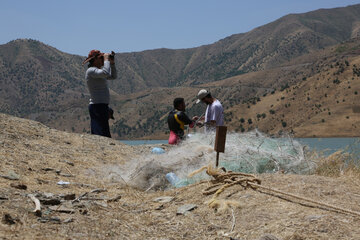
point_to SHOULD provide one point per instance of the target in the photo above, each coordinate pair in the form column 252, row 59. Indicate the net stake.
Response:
column 220, row 140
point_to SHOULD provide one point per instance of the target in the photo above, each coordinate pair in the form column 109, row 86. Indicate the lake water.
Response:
column 328, row 145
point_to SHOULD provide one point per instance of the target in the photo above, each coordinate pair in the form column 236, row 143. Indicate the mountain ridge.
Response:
column 50, row 84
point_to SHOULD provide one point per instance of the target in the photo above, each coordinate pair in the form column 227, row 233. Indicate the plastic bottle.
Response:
column 172, row 178
column 158, row 150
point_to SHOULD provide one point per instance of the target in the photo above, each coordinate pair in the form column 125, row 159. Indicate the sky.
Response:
column 77, row 26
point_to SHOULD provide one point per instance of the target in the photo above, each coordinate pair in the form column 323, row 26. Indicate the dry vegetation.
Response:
column 36, row 158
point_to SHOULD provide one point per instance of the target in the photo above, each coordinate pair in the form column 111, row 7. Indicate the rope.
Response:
column 226, row 179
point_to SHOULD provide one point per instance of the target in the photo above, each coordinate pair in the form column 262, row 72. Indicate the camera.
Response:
column 112, row 55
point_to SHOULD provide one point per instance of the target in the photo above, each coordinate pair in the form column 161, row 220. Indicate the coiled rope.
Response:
column 225, row 179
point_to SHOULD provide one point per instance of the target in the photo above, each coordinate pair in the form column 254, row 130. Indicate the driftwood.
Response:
column 37, row 209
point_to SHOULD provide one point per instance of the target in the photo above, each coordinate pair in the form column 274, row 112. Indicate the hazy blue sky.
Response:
column 77, row 26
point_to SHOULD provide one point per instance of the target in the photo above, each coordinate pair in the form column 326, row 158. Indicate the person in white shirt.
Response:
column 101, row 68
column 214, row 115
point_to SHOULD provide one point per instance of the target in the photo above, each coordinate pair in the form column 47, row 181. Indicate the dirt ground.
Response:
column 34, row 159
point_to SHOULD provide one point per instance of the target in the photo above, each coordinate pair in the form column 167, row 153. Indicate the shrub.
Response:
column 336, row 81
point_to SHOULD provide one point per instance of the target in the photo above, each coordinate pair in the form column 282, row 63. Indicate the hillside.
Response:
column 41, row 83
column 325, row 103
column 34, row 158
column 315, row 95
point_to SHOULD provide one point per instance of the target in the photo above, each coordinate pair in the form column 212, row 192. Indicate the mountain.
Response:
column 39, row 82
column 265, row 47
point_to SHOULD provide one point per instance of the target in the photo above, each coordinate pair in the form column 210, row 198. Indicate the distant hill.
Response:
column 42, row 83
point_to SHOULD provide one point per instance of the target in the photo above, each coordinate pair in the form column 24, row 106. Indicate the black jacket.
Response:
column 176, row 121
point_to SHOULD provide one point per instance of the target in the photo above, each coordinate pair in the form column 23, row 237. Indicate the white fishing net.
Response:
column 251, row 152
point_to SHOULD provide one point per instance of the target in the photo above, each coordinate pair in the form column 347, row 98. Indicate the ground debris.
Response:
column 18, row 186
column 268, row 237
column 164, row 199
column 184, row 209
column 62, row 209
column 50, row 219
column 11, row 176
column 8, row 219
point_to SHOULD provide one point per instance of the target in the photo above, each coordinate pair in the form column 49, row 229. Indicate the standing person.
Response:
column 100, row 69
column 214, row 115
column 177, row 119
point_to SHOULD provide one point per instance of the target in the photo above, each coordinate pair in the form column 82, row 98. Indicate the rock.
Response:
column 268, row 237
column 66, row 175
column 11, row 176
column 164, row 199
column 115, row 199
column 161, row 207
column 184, row 209
column 52, row 201
column 18, row 186
column 101, row 204
column 70, row 196
column 3, row 197
column 313, row 218
column 68, row 220
column 61, row 182
column 70, row 163
column 46, row 195
column 7, row 219
column 50, row 219
column 62, row 209
column 47, row 169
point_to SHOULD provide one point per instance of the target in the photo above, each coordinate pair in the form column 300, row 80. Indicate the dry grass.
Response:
column 28, row 148
column 338, row 164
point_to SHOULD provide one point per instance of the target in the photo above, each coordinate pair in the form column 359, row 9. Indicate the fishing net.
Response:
column 252, row 152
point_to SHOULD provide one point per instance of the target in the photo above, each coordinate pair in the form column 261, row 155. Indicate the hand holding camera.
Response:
column 110, row 57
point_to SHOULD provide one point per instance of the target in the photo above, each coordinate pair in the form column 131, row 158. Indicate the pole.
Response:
column 220, row 140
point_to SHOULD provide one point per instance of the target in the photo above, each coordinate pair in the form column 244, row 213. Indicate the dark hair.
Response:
column 91, row 62
column 178, row 101
column 208, row 96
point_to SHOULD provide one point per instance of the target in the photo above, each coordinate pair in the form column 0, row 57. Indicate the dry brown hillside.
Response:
column 324, row 104
column 34, row 158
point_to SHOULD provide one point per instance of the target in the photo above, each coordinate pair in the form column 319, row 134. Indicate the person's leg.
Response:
column 99, row 114
column 173, row 138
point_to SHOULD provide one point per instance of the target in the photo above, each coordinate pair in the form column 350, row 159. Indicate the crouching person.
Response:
column 177, row 119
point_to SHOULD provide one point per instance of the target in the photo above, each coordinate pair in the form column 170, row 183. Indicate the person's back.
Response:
column 177, row 119
column 96, row 80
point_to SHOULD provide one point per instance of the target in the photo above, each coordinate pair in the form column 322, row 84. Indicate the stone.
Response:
column 164, row 199
column 268, row 237
column 184, row 209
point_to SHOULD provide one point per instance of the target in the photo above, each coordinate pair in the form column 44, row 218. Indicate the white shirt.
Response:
column 214, row 112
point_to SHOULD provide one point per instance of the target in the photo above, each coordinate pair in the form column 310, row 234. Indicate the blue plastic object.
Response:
column 172, row 178
column 158, row 150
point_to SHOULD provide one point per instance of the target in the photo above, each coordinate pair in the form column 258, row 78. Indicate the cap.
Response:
column 92, row 54
column 202, row 93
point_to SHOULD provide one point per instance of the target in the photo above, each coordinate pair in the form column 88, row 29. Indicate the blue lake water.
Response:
column 327, row 145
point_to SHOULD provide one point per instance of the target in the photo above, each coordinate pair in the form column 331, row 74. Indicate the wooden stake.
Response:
column 220, row 140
